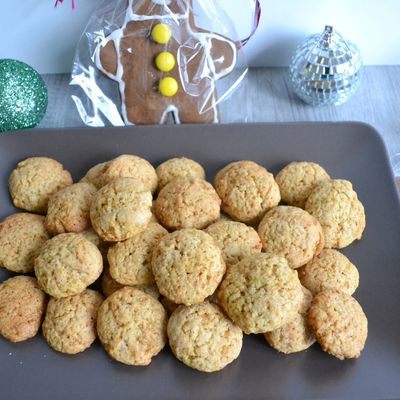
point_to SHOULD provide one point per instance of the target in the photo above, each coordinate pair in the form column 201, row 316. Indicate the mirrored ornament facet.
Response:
column 326, row 69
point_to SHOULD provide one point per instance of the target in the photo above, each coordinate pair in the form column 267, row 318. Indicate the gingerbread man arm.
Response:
column 107, row 58
column 223, row 54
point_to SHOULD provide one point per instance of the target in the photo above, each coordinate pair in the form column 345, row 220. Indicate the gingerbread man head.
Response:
column 165, row 65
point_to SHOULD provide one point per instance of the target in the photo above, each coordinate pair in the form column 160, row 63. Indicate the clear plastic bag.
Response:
column 120, row 80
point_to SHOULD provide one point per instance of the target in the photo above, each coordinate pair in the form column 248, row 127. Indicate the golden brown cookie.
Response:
column 261, row 293
column 247, row 191
column 296, row 335
column 35, row 180
column 109, row 286
column 22, row 308
column 235, row 239
column 70, row 323
column 203, row 338
column 21, row 237
column 297, row 180
column 94, row 174
column 176, row 168
column 187, row 203
column 187, row 266
column 69, row 209
column 130, row 261
column 132, row 326
column 292, row 233
column 93, row 237
column 336, row 206
column 339, row 323
column 121, row 209
column 67, row 264
column 330, row 270
column 129, row 166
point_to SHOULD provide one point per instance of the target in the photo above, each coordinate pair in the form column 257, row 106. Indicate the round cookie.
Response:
column 339, row 323
column 129, row 166
column 203, row 338
column 235, row 239
column 67, row 264
column 176, row 168
column 94, row 174
column 132, row 326
column 292, row 233
column 69, row 209
column 22, row 307
column 187, row 203
column 187, row 266
column 93, row 237
column 296, row 335
column 297, row 180
column 70, row 323
column 121, row 209
column 247, row 191
column 21, row 238
column 35, row 180
column 329, row 270
column 261, row 293
column 336, row 206
column 110, row 286
column 130, row 261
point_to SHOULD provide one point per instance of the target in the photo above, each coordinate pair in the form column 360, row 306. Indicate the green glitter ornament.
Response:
column 23, row 96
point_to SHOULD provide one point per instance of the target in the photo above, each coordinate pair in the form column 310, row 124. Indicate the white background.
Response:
column 34, row 32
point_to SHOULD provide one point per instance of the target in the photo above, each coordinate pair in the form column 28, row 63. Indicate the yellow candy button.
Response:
column 165, row 61
column 168, row 86
column 161, row 33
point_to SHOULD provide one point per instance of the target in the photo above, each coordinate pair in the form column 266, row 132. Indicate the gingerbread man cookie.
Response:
column 164, row 64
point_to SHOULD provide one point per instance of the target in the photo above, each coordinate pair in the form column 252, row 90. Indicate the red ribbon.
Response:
column 256, row 23
column 62, row 1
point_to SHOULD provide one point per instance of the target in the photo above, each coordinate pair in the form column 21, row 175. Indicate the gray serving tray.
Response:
column 31, row 370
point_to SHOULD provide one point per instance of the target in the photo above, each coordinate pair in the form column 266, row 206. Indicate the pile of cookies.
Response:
column 173, row 268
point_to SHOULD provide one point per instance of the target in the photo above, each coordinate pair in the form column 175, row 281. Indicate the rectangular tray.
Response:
column 347, row 150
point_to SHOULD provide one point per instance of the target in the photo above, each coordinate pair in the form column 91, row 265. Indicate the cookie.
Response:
column 297, row 180
column 34, row 181
column 22, row 307
column 155, row 83
column 187, row 266
column 94, row 175
column 181, row 167
column 339, row 323
column 330, row 270
column 187, row 203
column 130, row 166
column 296, row 335
column 169, row 305
column 121, row 209
column 203, row 338
column 247, row 191
column 67, row 264
column 130, row 261
column 132, row 326
column 21, row 237
column 93, row 237
column 261, row 293
column 235, row 239
column 69, row 209
column 292, row 233
column 70, row 323
column 109, row 286
column 336, row 206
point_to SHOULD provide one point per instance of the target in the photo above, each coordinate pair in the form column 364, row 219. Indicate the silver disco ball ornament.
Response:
column 326, row 69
